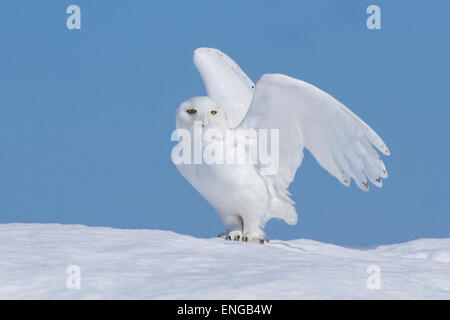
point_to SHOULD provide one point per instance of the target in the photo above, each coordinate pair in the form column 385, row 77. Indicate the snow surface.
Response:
column 153, row 264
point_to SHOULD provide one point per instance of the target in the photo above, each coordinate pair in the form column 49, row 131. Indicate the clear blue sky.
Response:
column 86, row 115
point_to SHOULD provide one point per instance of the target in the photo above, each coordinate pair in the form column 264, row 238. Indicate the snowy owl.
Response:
column 246, row 195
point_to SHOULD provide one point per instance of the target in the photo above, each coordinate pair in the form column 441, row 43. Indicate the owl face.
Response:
column 204, row 110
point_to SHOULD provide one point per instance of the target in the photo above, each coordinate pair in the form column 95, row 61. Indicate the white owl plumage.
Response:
column 243, row 195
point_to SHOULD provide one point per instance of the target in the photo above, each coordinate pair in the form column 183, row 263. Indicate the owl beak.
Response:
column 204, row 122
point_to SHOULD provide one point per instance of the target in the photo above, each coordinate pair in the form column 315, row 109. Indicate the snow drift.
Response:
column 153, row 264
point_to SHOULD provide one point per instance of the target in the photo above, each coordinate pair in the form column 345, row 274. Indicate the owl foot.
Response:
column 255, row 237
column 223, row 235
column 234, row 235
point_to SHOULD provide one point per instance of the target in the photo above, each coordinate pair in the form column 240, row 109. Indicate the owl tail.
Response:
column 282, row 207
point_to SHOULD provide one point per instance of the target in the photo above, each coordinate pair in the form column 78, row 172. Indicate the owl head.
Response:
column 202, row 109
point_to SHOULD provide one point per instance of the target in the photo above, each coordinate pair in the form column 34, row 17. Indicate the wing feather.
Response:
column 307, row 117
column 225, row 83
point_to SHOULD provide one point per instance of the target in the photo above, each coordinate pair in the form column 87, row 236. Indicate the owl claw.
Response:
column 234, row 235
column 223, row 235
column 255, row 237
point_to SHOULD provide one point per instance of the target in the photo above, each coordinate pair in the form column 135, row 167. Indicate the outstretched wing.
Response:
column 225, row 83
column 308, row 117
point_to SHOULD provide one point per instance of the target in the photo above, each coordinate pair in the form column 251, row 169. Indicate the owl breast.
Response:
column 233, row 189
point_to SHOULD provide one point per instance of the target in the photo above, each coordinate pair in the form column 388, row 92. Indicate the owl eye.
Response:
column 191, row 111
column 213, row 112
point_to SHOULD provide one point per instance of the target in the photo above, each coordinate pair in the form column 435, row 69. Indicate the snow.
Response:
column 154, row 264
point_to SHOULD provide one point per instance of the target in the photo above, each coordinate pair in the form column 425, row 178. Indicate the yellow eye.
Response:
column 191, row 111
column 213, row 112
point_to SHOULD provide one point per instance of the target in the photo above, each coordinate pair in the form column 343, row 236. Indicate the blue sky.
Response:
column 86, row 115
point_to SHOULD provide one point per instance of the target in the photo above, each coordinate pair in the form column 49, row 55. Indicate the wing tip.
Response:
column 384, row 149
column 378, row 182
column 364, row 186
column 202, row 52
column 346, row 182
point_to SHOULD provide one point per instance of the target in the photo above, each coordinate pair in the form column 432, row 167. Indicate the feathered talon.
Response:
column 255, row 237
